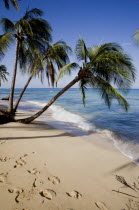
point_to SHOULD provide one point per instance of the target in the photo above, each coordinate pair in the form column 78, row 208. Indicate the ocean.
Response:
column 68, row 113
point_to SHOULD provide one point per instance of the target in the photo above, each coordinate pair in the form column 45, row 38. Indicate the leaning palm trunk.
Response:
column 10, row 108
column 21, row 94
column 33, row 117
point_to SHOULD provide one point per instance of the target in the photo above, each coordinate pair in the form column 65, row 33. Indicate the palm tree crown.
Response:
column 101, row 66
column 56, row 55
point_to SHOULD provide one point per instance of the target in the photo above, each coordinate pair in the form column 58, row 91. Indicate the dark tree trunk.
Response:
column 11, row 96
column 33, row 117
column 21, row 94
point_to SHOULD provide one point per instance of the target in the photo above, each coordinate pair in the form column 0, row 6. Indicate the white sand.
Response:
column 84, row 166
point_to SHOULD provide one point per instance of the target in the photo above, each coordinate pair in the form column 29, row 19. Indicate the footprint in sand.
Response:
column 101, row 205
column 3, row 177
column 36, row 183
column 2, row 180
column 74, row 194
column 49, row 194
column 21, row 161
column 3, row 159
column 19, row 197
column 2, row 142
column 54, row 179
column 15, row 190
column 19, row 192
column 34, row 171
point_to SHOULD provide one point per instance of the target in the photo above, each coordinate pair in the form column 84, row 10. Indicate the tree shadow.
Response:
column 129, row 165
column 34, row 137
column 35, row 125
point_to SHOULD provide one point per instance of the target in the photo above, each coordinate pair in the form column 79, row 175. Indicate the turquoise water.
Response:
column 69, row 112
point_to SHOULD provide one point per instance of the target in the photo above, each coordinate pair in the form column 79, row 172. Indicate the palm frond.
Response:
column 33, row 13
column 97, row 51
column 50, row 73
column 22, row 56
column 114, row 67
column 41, row 28
column 107, row 91
column 83, row 88
column 5, row 41
column 81, row 50
column 7, row 25
column 24, row 27
column 3, row 74
column 66, row 70
column 13, row 2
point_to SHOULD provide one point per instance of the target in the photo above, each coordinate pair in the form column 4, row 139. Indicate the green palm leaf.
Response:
column 67, row 70
column 56, row 55
column 32, row 14
column 24, row 27
column 108, row 92
column 7, row 25
column 3, row 74
column 13, row 2
column 97, row 51
column 5, row 41
column 81, row 50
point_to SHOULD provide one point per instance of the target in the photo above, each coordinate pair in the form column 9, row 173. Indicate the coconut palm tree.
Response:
column 101, row 66
column 55, row 56
column 13, row 2
column 29, row 32
column 3, row 74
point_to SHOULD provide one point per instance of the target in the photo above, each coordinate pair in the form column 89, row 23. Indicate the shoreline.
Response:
column 82, row 166
column 108, row 142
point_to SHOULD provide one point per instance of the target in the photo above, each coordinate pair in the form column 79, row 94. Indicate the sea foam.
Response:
column 60, row 114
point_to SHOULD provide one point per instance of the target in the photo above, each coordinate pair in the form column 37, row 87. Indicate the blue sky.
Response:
column 96, row 21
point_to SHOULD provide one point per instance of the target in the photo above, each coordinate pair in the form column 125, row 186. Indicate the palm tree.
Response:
column 101, row 65
column 13, row 2
column 3, row 74
column 55, row 55
column 29, row 32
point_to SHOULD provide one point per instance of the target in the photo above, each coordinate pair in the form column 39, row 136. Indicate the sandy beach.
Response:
column 45, row 168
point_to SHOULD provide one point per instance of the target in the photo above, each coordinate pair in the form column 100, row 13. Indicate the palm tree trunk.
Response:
column 33, row 117
column 10, row 108
column 21, row 94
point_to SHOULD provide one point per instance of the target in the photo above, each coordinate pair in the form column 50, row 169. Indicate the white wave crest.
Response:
column 62, row 115
column 58, row 113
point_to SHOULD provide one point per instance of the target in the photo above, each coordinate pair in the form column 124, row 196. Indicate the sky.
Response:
column 96, row 22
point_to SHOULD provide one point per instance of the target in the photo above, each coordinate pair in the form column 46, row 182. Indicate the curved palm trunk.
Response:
column 21, row 94
column 11, row 96
column 33, row 117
